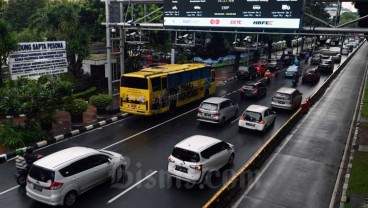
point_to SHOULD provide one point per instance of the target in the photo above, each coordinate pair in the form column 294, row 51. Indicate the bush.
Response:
column 101, row 101
column 76, row 106
column 85, row 94
column 13, row 136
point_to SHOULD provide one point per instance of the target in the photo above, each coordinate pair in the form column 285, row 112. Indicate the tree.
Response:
column 316, row 9
column 348, row 17
column 19, row 12
column 7, row 45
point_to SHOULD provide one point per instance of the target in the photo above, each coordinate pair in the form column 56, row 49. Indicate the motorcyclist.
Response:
column 267, row 75
column 295, row 78
column 30, row 157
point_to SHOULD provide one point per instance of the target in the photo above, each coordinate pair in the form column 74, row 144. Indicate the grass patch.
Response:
column 365, row 100
column 358, row 183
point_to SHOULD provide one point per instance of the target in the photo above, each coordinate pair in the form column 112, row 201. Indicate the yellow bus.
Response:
column 162, row 88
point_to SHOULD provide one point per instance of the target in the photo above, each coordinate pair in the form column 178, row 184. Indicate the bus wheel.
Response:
column 172, row 107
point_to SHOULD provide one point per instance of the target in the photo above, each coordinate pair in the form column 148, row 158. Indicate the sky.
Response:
column 349, row 5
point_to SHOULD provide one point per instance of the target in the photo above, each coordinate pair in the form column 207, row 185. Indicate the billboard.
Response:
column 34, row 59
column 257, row 14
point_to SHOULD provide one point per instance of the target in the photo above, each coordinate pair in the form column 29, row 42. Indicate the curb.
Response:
column 9, row 155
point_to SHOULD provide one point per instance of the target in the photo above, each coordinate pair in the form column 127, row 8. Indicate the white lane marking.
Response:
column 144, row 131
column 136, row 184
column 235, row 120
column 6, row 191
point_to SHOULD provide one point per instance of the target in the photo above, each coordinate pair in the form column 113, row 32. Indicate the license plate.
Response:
column 249, row 124
column 282, row 102
column 181, row 169
column 37, row 187
column 207, row 114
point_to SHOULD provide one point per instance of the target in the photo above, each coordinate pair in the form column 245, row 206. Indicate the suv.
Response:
column 59, row 178
column 217, row 110
column 247, row 73
column 311, row 75
column 286, row 98
column 257, row 117
column 196, row 158
column 326, row 66
column 253, row 89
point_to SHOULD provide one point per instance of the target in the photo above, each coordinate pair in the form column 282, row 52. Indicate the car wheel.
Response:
column 207, row 178
column 230, row 162
column 119, row 173
column 222, row 122
column 70, row 198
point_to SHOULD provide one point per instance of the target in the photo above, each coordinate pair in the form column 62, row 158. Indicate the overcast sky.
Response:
column 349, row 5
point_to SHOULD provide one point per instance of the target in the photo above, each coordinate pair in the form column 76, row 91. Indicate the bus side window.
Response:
column 156, row 83
column 212, row 76
column 164, row 82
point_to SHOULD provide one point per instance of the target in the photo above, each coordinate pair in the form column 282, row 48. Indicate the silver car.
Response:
column 59, row 178
column 286, row 98
column 217, row 110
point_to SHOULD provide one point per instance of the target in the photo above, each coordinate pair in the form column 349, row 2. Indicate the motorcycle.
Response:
column 295, row 82
column 23, row 170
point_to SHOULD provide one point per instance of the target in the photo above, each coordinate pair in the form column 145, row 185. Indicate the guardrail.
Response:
column 245, row 175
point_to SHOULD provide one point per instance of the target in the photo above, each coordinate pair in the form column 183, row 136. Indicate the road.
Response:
column 147, row 142
column 303, row 171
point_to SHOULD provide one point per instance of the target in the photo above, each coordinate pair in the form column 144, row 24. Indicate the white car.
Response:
column 257, row 117
column 59, row 178
column 286, row 98
column 196, row 158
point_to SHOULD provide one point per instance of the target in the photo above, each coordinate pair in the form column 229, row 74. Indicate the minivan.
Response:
column 197, row 157
column 286, row 98
column 59, row 178
column 217, row 110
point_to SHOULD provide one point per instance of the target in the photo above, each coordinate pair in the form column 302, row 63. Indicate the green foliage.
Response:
column 85, row 94
column 76, row 106
column 13, row 136
column 182, row 59
column 358, row 182
column 28, row 35
column 316, row 9
column 348, row 17
column 101, row 101
column 8, row 44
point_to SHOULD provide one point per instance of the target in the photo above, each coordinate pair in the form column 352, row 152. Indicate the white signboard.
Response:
column 34, row 59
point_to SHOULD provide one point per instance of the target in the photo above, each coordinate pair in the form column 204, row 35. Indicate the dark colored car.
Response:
column 287, row 59
column 316, row 59
column 253, row 89
column 274, row 65
column 247, row 72
column 311, row 75
column 336, row 58
column 326, row 66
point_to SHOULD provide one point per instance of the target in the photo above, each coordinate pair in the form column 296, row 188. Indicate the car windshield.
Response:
column 283, row 96
column 209, row 106
column 41, row 174
column 185, row 155
column 252, row 116
column 243, row 68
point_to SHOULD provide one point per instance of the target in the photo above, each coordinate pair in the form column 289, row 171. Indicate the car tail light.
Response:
column 217, row 113
column 199, row 111
column 241, row 89
column 254, row 91
column 196, row 167
column 170, row 159
column 262, row 122
column 55, row 186
column 241, row 118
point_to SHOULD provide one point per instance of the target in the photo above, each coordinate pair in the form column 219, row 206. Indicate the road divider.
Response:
column 247, row 173
column 11, row 154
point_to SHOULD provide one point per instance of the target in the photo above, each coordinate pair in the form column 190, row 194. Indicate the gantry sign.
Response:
column 258, row 14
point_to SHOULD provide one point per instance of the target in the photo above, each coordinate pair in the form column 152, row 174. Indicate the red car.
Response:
column 261, row 68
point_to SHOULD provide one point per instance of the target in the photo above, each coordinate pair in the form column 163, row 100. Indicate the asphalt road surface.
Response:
column 147, row 142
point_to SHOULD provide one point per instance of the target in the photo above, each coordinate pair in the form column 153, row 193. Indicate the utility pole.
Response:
column 108, row 47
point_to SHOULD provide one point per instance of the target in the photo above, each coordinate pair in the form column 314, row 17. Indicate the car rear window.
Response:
column 41, row 174
column 283, row 96
column 185, row 155
column 209, row 106
column 248, row 87
column 252, row 116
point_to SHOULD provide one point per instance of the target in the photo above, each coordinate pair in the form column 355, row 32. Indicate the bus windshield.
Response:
column 134, row 82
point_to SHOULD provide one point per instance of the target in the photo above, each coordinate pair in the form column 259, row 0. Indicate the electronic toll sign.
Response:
column 263, row 14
